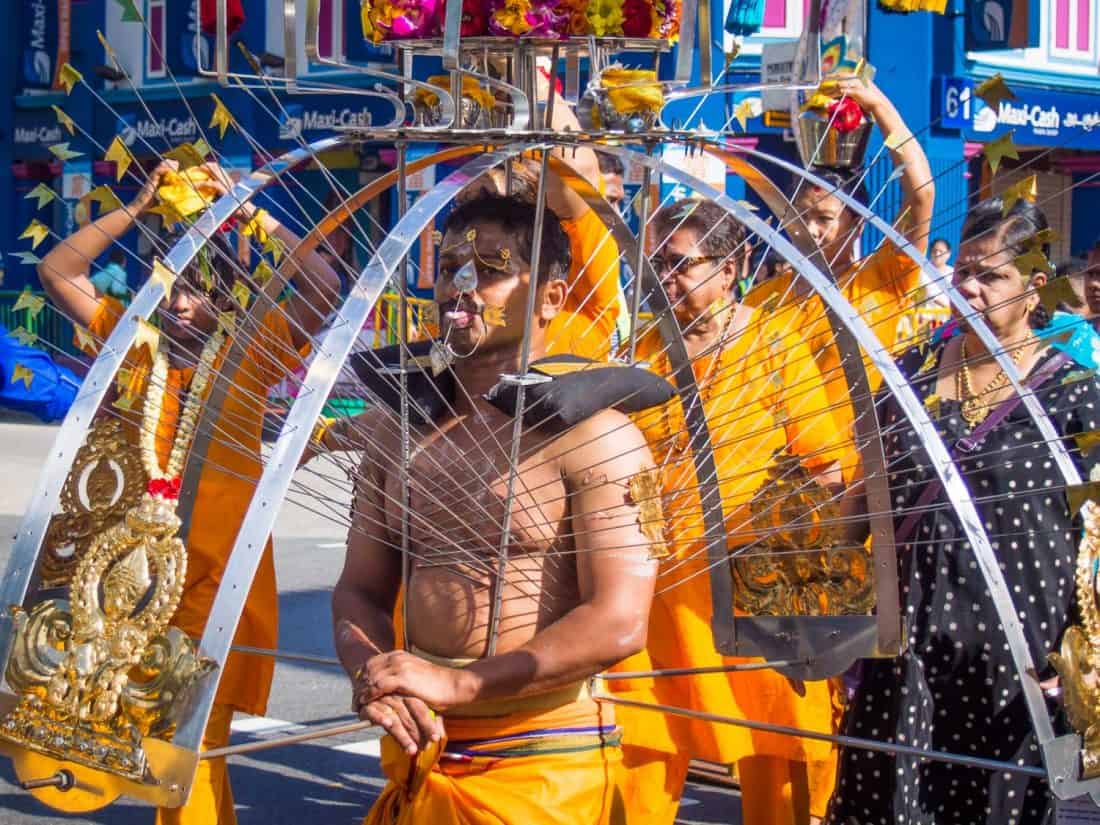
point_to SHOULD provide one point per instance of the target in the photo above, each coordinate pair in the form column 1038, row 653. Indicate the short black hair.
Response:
column 609, row 164
column 848, row 181
column 719, row 234
column 516, row 216
column 940, row 240
column 118, row 255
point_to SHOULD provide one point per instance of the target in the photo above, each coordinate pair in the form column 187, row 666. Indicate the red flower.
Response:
column 229, row 225
column 474, row 21
column 637, row 18
column 164, row 487
column 846, row 116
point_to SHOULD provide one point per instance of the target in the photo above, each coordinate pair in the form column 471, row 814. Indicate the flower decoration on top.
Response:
column 622, row 99
column 399, row 19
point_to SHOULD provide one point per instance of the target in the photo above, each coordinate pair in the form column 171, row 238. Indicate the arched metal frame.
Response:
column 168, row 762
column 1060, row 755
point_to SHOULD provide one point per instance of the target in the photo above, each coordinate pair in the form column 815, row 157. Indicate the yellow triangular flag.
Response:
column 147, row 336
column 1034, row 261
column 28, row 258
column 120, row 154
column 63, row 152
column 276, row 247
column 36, row 231
column 187, row 155
column 23, row 336
column 1058, row 291
column 997, row 150
column 169, row 214
column 1026, row 189
column 106, row 198
column 84, row 339
column 222, row 118
column 743, row 112
column 162, row 275
column 21, row 373
column 263, row 272
column 41, row 193
column 69, row 77
column 993, row 91
column 241, row 293
column 202, row 147
column 64, row 119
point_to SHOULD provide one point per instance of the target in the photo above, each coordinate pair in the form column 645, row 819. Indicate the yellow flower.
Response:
column 186, row 192
column 632, row 90
column 605, row 17
column 513, row 16
column 470, row 88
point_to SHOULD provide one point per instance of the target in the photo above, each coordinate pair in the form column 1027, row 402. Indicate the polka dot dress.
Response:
column 955, row 688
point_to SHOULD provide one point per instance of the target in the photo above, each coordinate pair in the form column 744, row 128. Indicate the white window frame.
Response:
column 1072, row 53
column 150, row 73
column 796, row 15
column 1045, row 57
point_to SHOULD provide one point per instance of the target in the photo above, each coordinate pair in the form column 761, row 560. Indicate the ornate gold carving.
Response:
column 102, row 670
column 106, row 480
column 796, row 568
column 645, row 491
column 1078, row 662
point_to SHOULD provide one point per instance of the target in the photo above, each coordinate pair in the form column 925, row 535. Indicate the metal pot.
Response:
column 820, row 144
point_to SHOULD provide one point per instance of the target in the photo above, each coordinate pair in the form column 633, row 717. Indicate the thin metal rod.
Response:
column 849, row 741
column 703, row 671
column 290, row 657
column 282, row 741
column 639, row 258
column 403, row 336
column 521, row 395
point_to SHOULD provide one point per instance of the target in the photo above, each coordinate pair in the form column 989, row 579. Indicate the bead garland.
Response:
column 185, row 428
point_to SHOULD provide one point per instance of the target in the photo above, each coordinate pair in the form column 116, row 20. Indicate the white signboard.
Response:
column 777, row 66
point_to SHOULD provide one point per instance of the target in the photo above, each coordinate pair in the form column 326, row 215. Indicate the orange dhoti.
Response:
column 553, row 767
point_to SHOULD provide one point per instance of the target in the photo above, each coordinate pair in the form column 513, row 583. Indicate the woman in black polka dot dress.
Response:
column 955, row 689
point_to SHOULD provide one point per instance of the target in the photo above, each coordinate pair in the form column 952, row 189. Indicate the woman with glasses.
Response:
column 762, row 394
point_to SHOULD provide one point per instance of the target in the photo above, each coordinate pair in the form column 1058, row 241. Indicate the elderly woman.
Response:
column 955, row 688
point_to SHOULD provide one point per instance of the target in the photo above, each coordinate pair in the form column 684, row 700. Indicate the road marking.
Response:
column 262, row 724
column 368, row 747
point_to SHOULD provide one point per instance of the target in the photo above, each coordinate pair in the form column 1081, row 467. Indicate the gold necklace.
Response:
column 974, row 409
column 166, row 482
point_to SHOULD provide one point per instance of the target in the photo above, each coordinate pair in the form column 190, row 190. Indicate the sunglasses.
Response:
column 676, row 264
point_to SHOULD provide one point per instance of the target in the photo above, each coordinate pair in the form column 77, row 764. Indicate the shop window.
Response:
column 154, row 52
column 1073, row 28
column 330, row 29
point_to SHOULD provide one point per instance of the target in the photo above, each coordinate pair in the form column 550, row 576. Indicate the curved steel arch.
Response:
column 1054, row 751
column 297, row 428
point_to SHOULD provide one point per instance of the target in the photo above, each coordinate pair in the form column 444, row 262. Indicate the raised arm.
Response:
column 917, row 183
column 559, row 196
column 64, row 272
column 615, row 571
column 316, row 284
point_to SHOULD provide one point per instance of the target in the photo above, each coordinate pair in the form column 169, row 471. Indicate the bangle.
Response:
column 320, row 430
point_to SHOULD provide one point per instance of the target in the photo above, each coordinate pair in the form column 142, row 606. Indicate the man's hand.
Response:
column 399, row 672
column 145, row 196
column 406, row 719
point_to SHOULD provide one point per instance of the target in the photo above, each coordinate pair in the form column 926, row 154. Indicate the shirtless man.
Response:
column 576, row 588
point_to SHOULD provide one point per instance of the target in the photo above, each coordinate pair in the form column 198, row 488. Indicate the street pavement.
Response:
column 331, row 781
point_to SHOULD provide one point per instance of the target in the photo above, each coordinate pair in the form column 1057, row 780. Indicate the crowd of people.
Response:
column 487, row 699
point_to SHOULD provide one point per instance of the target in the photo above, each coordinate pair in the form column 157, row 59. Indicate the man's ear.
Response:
column 552, row 299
